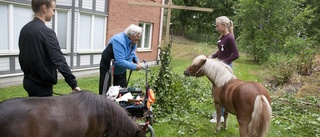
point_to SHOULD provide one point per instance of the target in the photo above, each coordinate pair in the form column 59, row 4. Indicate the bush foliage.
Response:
column 182, row 102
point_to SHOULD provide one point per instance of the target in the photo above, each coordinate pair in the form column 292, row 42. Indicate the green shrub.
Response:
column 296, row 57
column 175, row 93
column 283, row 68
column 304, row 50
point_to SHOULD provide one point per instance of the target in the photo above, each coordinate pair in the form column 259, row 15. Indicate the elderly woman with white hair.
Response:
column 122, row 48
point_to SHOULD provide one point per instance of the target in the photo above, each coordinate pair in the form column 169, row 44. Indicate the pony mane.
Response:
column 116, row 119
column 218, row 72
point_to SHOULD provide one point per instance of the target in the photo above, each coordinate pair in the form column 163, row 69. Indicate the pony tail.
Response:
column 230, row 28
column 260, row 117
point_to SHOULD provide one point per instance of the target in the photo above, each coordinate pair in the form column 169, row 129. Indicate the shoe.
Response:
column 221, row 119
column 214, row 120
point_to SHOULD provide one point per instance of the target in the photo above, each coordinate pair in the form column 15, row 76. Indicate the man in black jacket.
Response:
column 40, row 54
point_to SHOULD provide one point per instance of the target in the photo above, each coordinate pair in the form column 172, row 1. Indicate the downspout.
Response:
column 160, row 33
column 72, row 33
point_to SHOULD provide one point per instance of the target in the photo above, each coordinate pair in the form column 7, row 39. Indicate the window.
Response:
column 84, row 32
column 91, row 33
column 145, row 41
column 62, row 29
column 90, row 28
column 4, row 28
column 21, row 16
column 13, row 18
column 99, row 33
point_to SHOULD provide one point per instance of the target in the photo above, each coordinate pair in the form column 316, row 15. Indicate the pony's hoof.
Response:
column 224, row 129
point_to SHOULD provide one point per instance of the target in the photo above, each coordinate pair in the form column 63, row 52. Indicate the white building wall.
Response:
column 64, row 2
column 4, row 64
column 100, row 5
column 10, row 71
column 85, row 60
column 87, row 4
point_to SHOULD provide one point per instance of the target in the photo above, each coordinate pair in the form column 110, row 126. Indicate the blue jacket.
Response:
column 124, row 53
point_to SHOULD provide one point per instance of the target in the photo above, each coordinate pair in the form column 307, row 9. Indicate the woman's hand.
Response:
column 77, row 89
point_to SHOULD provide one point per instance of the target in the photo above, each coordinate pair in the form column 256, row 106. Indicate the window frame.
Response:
column 12, row 37
column 6, row 48
column 142, row 46
column 56, row 28
column 92, row 48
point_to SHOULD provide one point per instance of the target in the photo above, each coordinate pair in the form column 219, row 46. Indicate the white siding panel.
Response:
column 77, row 3
column 69, row 30
column 85, row 60
column 17, row 64
column 4, row 64
column 75, row 61
column 87, row 4
column 64, row 2
column 68, row 60
column 75, row 40
column 96, row 59
column 100, row 5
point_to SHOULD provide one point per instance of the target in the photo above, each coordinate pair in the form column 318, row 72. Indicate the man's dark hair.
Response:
column 36, row 4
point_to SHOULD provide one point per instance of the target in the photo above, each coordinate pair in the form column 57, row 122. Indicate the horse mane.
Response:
column 217, row 71
column 108, row 113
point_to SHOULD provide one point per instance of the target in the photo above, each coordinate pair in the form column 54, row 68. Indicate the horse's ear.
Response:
column 203, row 61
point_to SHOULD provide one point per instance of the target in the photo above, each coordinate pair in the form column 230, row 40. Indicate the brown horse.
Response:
column 249, row 101
column 80, row 114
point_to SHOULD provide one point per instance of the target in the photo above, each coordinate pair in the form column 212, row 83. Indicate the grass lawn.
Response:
column 191, row 124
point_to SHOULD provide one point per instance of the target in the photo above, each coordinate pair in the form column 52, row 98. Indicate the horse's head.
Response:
column 195, row 69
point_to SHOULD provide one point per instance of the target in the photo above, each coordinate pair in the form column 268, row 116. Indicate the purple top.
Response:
column 228, row 51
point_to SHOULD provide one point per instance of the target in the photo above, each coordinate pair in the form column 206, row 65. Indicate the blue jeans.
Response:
column 222, row 108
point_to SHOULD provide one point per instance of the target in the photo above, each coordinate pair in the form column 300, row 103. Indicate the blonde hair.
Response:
column 229, row 24
column 133, row 30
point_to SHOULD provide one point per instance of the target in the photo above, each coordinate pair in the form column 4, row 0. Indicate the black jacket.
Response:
column 40, row 55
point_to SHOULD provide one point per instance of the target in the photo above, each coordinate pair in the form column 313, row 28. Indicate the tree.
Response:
column 313, row 26
column 266, row 25
column 200, row 22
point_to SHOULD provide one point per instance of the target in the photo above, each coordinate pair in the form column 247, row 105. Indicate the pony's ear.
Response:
column 202, row 61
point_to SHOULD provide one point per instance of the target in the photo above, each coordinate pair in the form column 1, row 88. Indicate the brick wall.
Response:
column 121, row 15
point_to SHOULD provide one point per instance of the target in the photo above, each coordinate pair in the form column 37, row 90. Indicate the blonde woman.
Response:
column 227, row 48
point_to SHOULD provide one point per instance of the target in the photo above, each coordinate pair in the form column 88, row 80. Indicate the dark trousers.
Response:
column 118, row 80
column 36, row 89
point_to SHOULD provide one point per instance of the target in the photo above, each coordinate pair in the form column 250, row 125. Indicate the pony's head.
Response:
column 195, row 69
column 218, row 72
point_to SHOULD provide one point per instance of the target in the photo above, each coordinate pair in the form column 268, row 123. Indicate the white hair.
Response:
column 133, row 30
